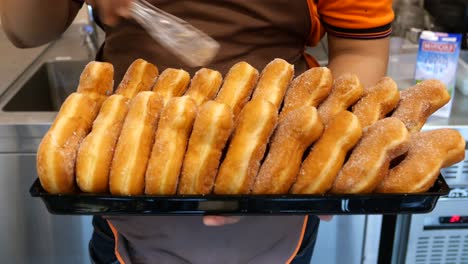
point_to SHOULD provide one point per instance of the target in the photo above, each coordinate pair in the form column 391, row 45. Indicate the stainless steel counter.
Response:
column 28, row 233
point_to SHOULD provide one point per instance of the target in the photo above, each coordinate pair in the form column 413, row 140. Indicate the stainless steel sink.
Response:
column 28, row 106
column 47, row 87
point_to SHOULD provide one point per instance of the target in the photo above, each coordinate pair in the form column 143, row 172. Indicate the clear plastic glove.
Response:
column 188, row 43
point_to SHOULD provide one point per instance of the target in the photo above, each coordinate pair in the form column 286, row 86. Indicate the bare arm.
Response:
column 366, row 58
column 30, row 23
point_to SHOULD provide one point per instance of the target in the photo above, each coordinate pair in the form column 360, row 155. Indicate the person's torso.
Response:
column 185, row 239
column 252, row 31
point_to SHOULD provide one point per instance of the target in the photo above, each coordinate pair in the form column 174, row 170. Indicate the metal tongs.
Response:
column 186, row 42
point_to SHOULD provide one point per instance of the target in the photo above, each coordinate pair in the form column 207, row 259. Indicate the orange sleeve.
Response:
column 316, row 30
column 360, row 19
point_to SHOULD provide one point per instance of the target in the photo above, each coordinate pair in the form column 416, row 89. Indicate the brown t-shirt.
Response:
column 253, row 31
column 256, row 32
column 185, row 239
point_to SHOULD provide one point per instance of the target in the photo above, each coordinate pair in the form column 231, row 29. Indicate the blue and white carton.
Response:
column 438, row 59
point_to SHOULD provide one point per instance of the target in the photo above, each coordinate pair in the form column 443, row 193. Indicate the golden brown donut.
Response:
column 140, row 76
column 238, row 86
column 133, row 149
column 309, row 88
column 370, row 159
column 97, row 81
column 97, row 149
column 211, row 130
column 295, row 133
column 346, row 90
column 319, row 169
column 417, row 103
column 428, row 152
column 171, row 83
column 57, row 151
column 56, row 155
column 247, row 147
column 172, row 135
column 204, row 85
column 274, row 81
column 377, row 102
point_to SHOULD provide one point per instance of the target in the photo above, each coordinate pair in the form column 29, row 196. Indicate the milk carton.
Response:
column 438, row 59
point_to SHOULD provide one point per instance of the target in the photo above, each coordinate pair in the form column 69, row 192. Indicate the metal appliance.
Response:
column 442, row 235
column 438, row 237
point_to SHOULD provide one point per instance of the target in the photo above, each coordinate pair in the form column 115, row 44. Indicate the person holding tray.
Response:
column 252, row 31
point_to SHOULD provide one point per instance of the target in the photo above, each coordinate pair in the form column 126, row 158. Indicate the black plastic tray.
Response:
column 106, row 204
